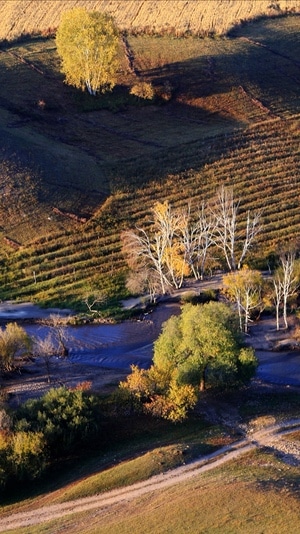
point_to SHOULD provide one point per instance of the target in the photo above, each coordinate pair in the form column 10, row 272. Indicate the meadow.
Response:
column 256, row 492
column 94, row 167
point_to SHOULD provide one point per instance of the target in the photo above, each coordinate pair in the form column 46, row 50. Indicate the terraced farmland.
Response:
column 90, row 173
column 262, row 165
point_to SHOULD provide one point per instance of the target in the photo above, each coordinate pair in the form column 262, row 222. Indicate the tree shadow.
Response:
column 287, row 480
column 231, row 83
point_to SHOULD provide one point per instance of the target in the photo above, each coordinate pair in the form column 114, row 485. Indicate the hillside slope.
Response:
column 93, row 169
column 213, row 16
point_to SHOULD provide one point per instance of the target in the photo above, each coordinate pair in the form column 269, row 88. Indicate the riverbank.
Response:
column 100, row 355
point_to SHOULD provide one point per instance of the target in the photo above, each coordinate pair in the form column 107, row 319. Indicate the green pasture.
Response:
column 233, row 118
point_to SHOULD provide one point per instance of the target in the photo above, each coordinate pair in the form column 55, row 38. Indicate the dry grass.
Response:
column 255, row 494
column 170, row 16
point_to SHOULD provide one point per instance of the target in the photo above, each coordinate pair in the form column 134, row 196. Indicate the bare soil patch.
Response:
column 31, row 379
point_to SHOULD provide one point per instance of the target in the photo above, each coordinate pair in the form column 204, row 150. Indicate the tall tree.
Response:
column 87, row 43
column 158, row 249
column 144, row 251
column 203, row 345
column 234, row 243
column 197, row 236
column 168, row 224
column 285, row 283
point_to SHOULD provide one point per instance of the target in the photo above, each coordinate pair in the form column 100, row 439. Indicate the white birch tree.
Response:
column 285, row 283
column 234, row 243
column 197, row 237
column 87, row 43
column 244, row 287
column 168, row 224
column 144, row 251
column 159, row 249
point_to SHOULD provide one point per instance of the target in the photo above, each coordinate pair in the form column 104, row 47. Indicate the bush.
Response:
column 192, row 297
column 65, row 417
column 27, row 455
column 143, row 90
column 14, row 342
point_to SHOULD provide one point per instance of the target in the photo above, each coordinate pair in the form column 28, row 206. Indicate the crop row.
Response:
column 169, row 16
column 263, row 175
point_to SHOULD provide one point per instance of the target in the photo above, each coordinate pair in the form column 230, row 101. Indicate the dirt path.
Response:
column 271, row 436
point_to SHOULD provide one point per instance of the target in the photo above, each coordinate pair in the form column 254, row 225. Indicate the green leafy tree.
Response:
column 203, row 346
column 88, row 43
column 206, row 346
column 14, row 342
column 64, row 417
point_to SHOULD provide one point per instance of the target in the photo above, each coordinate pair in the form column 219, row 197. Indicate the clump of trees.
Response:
column 88, row 44
column 285, row 283
column 177, row 243
column 251, row 293
column 200, row 348
column 44, row 430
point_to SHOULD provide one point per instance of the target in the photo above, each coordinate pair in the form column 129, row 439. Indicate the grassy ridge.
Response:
column 260, row 489
column 256, row 492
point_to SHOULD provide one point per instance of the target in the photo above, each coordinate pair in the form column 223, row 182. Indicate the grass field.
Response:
column 90, row 173
column 258, row 492
column 240, row 498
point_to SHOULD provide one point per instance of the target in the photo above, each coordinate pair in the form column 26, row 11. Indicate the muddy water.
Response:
column 114, row 346
column 279, row 367
column 121, row 345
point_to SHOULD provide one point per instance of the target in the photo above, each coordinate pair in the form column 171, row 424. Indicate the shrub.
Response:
column 14, row 342
column 143, row 90
column 27, row 455
column 64, row 417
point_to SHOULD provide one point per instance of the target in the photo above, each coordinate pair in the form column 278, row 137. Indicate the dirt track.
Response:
column 269, row 436
column 263, row 335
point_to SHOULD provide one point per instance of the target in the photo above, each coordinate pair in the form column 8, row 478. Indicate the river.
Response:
column 117, row 346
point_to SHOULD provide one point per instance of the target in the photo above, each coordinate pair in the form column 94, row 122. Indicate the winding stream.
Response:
column 117, row 346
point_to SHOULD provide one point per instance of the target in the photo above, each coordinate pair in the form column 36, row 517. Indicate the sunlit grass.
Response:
column 257, row 493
